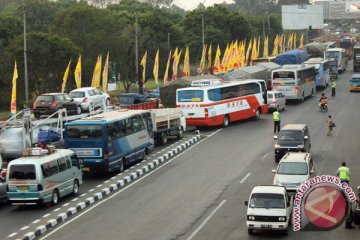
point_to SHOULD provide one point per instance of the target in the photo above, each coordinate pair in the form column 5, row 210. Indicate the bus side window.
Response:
column 68, row 163
column 75, row 161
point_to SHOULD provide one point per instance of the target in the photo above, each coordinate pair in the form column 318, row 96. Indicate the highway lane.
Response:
column 18, row 217
column 200, row 194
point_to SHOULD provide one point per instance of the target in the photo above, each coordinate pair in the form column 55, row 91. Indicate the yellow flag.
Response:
column 13, row 92
column 217, row 62
column 253, row 52
column 166, row 75
column 209, row 59
column 203, row 60
column 295, row 40
column 143, row 64
column 66, row 74
column 266, row 47
column 78, row 73
column 186, row 68
column 156, row 68
column 301, row 41
column 176, row 60
column 258, row 48
column 97, row 73
column 105, row 74
column 276, row 46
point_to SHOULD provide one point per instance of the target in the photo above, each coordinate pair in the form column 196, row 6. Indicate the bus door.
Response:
column 148, row 123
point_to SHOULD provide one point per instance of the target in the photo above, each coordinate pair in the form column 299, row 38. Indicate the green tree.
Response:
column 10, row 26
column 48, row 56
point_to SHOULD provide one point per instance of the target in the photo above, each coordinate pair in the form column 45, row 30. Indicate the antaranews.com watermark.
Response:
column 321, row 203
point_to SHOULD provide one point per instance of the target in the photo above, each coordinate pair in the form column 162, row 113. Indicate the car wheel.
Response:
column 226, row 121
column 78, row 110
column 285, row 232
column 55, row 197
column 277, row 159
column 75, row 188
column 107, row 102
column 37, row 116
column 250, row 231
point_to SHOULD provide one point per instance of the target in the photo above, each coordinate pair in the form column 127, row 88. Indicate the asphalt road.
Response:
column 200, row 194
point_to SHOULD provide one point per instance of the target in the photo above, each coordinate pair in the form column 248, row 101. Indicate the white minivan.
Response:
column 276, row 100
column 42, row 177
column 268, row 208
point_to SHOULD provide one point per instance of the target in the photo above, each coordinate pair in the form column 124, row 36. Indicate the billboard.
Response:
column 353, row 6
column 299, row 17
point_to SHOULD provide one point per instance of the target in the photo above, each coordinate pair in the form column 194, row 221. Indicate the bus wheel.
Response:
column 226, row 121
column 75, row 188
column 122, row 165
column 55, row 197
column 180, row 134
column 147, row 151
column 257, row 114
column 163, row 138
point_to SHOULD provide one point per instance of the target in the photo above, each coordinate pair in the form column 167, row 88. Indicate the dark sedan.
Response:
column 49, row 103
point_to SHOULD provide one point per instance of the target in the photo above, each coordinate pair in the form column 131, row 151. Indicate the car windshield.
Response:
column 332, row 54
column 355, row 80
column 292, row 168
column 22, row 172
column 267, row 200
column 84, row 131
column 47, row 98
column 290, row 136
column 270, row 95
column 126, row 100
column 77, row 94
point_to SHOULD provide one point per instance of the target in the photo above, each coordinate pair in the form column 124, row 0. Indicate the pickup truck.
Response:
column 269, row 208
column 167, row 122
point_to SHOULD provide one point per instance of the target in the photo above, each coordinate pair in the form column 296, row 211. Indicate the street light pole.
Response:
column 25, row 63
column 203, row 26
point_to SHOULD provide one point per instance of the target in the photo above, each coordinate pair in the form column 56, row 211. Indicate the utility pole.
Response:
column 25, row 63
column 168, row 41
column 140, row 84
column 203, row 25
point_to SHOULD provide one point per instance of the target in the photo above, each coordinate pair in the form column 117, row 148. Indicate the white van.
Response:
column 268, row 208
column 42, row 178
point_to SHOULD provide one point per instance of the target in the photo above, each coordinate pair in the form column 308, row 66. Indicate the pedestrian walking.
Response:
column 343, row 173
column 331, row 125
column 333, row 88
column 276, row 118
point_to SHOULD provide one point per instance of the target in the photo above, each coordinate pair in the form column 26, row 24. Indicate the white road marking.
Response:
column 36, row 221
column 66, row 204
column 84, row 194
column 265, row 155
column 244, row 178
column 23, row 228
column 56, row 210
column 206, row 220
column 46, row 215
column 100, row 185
column 125, row 188
column 91, row 190
column 11, row 235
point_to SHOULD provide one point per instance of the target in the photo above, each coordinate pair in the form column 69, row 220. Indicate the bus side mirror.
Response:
column 275, row 137
column 306, row 137
column 246, row 203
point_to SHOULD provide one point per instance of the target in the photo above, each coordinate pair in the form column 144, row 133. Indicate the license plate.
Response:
column 265, row 226
column 23, row 188
column 85, row 169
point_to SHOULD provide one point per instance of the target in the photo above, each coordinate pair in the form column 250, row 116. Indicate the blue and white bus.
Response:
column 322, row 68
column 111, row 140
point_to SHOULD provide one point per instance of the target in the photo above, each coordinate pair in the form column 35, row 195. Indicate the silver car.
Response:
column 294, row 169
column 276, row 100
column 90, row 97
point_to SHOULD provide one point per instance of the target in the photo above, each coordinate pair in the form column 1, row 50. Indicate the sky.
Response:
column 191, row 4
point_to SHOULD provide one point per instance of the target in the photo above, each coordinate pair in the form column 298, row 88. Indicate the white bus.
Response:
column 294, row 81
column 340, row 55
column 322, row 68
column 221, row 104
column 42, row 178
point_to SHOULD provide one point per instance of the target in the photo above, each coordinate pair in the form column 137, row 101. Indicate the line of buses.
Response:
column 223, row 103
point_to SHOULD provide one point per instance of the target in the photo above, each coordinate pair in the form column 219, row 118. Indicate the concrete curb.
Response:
column 62, row 217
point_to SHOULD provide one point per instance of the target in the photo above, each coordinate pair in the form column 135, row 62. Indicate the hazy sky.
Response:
column 191, row 4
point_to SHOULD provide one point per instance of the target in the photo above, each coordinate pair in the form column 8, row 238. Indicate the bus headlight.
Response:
column 282, row 219
column 300, row 146
column 277, row 146
column 251, row 218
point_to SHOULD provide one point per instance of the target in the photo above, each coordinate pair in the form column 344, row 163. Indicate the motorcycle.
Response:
column 323, row 106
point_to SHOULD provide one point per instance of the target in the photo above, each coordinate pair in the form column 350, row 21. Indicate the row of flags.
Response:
column 236, row 54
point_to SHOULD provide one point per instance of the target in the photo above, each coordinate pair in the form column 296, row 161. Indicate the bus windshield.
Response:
column 332, row 54
column 284, row 75
column 83, row 131
column 190, row 96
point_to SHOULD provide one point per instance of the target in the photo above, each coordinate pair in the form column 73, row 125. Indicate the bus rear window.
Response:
column 284, row 75
column 22, row 172
column 83, row 131
column 190, row 96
